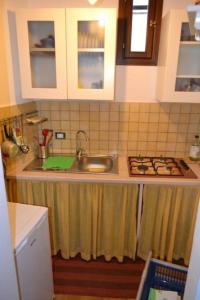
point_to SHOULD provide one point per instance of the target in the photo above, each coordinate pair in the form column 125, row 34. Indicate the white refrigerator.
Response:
column 30, row 238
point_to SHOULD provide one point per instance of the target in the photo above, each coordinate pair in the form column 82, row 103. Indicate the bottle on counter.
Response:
column 195, row 149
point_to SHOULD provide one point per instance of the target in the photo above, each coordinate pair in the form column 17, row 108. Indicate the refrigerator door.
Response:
column 33, row 260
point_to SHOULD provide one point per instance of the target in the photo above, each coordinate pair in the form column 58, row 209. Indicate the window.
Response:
column 139, row 23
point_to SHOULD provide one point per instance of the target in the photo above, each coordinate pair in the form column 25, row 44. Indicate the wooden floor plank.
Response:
column 96, row 279
column 73, row 297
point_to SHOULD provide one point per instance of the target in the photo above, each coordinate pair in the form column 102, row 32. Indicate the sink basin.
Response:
column 97, row 164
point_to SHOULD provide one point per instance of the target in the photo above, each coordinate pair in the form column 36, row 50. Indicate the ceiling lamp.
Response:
column 92, row 2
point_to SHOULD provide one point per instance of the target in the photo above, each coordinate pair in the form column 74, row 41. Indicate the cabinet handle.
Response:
column 33, row 242
column 152, row 23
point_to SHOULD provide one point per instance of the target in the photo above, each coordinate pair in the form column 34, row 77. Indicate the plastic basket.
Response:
column 164, row 276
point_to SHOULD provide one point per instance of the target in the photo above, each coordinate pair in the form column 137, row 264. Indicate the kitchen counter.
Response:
column 122, row 176
column 74, row 198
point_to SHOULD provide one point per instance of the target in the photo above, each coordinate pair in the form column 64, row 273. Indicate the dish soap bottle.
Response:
column 195, row 149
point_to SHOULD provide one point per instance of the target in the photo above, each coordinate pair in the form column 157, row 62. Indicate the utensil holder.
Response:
column 43, row 151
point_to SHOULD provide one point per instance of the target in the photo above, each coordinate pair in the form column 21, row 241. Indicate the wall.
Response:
column 4, row 87
column 146, row 129
column 130, row 128
column 12, row 50
column 133, row 83
column 11, row 111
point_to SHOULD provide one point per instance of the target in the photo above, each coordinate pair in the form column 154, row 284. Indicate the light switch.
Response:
column 60, row 135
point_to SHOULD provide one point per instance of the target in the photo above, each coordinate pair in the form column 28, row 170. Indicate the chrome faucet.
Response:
column 80, row 150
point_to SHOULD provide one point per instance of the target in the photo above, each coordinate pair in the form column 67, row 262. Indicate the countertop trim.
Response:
column 121, row 177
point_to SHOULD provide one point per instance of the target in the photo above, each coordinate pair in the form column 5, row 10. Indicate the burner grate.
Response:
column 158, row 166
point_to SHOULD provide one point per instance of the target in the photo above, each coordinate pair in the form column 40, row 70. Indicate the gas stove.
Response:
column 159, row 167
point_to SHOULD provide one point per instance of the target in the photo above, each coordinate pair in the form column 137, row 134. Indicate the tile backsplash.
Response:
column 126, row 128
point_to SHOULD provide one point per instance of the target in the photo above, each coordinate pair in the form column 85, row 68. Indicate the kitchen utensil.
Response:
column 6, row 135
column 48, row 42
column 44, row 133
column 18, row 136
column 49, row 136
column 36, row 140
column 23, row 147
column 43, row 151
column 11, row 137
column 9, row 149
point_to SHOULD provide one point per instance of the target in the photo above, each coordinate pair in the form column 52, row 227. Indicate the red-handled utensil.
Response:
column 44, row 133
column 49, row 136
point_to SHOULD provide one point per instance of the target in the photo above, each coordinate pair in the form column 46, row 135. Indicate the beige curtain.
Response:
column 87, row 218
column 168, row 221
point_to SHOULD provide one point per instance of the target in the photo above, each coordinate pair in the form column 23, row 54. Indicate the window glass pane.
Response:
column 140, row 2
column 139, row 25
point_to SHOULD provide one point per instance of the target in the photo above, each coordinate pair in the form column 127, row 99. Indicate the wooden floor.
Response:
column 96, row 278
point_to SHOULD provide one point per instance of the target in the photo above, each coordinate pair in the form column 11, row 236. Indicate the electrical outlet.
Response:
column 60, row 135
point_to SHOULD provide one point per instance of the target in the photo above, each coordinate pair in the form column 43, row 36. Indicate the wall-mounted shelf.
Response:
column 188, row 76
column 30, row 115
column 90, row 50
column 189, row 43
column 35, row 49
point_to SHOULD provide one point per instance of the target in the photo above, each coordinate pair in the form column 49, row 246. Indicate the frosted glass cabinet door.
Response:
column 188, row 69
column 42, row 53
column 91, row 53
column 179, row 60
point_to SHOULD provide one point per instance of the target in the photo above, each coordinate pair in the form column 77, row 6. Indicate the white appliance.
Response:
column 30, row 237
column 8, row 277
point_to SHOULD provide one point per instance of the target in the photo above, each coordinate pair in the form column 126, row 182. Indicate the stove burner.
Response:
column 159, row 166
column 162, row 159
column 169, row 168
column 140, row 158
column 143, row 168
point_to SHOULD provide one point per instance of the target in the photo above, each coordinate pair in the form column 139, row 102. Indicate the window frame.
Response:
column 149, row 57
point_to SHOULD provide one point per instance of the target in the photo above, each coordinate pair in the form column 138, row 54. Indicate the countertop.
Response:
column 23, row 218
column 122, row 177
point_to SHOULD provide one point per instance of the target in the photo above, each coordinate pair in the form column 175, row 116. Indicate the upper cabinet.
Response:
column 91, row 51
column 67, row 53
column 42, row 53
column 179, row 61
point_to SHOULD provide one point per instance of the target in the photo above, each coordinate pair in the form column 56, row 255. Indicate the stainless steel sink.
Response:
column 97, row 164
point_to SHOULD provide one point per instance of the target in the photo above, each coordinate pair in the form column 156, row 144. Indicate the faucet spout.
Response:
column 80, row 149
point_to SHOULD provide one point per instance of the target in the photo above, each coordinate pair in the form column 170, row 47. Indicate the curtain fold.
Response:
column 168, row 221
column 92, row 219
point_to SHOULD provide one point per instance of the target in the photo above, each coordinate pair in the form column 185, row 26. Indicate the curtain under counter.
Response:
column 100, row 219
column 168, row 221
column 86, row 218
